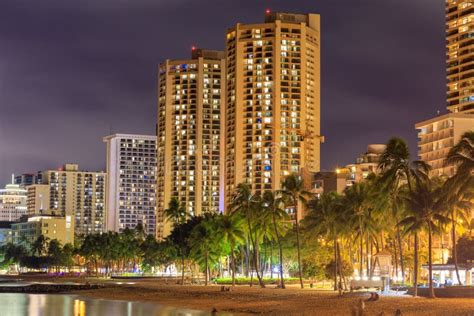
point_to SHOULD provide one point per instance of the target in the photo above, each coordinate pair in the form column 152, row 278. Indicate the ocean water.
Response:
column 19, row 304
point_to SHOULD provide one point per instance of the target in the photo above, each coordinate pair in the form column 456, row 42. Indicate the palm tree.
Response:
column 397, row 170
column 230, row 229
column 203, row 241
column 245, row 204
column 356, row 198
column 176, row 214
column 458, row 196
column 462, row 155
column 39, row 245
column 274, row 205
column 425, row 212
column 326, row 218
column 293, row 189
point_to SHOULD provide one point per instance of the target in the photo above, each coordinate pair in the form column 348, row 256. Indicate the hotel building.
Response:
column 71, row 192
column 366, row 164
column 190, row 113
column 272, row 118
column 459, row 55
column 51, row 227
column 12, row 203
column 438, row 135
column 131, row 182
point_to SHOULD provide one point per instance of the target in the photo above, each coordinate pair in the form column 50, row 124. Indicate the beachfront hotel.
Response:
column 459, row 55
column 71, row 193
column 436, row 136
column 131, row 182
column 272, row 119
column 190, row 116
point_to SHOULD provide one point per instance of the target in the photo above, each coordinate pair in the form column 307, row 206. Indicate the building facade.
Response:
column 272, row 118
column 37, row 199
column 12, row 203
column 76, row 193
column 459, row 55
column 437, row 136
column 131, row 182
column 190, row 112
column 366, row 164
column 51, row 227
column 27, row 179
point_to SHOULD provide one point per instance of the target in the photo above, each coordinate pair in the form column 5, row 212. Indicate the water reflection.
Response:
column 17, row 304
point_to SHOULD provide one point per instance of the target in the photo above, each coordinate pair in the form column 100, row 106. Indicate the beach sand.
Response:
column 245, row 300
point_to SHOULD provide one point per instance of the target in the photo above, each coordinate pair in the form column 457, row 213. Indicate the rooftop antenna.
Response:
column 437, row 112
column 13, row 178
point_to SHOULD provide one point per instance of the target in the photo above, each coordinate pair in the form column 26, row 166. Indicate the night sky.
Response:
column 73, row 71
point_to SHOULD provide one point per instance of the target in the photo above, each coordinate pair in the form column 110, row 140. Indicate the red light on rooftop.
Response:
column 267, row 11
column 193, row 48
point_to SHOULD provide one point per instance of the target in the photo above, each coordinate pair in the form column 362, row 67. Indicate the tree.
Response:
column 274, row 205
column 203, row 242
column 396, row 170
column 176, row 214
column 39, row 246
column 458, row 195
column 55, row 253
column 425, row 212
column 14, row 254
column 292, row 187
column 245, row 204
column 230, row 230
column 326, row 219
column 461, row 156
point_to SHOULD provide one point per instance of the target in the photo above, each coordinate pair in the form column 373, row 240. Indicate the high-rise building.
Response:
column 38, row 199
column 27, row 179
column 190, row 109
column 131, row 182
column 272, row 122
column 75, row 193
column 12, row 203
column 436, row 136
column 459, row 51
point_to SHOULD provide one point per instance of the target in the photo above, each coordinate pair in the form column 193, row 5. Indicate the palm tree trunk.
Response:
column 395, row 255
column 455, row 253
column 232, row 259
column 207, row 270
column 431, row 293
column 367, row 255
column 255, row 255
column 182, row 267
column 298, row 241
column 271, row 260
column 361, row 250
column 415, row 266
column 335, row 264
column 280, row 249
column 399, row 240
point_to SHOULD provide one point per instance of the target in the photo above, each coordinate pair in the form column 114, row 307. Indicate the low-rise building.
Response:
column 5, row 232
column 366, row 164
column 51, row 227
column 330, row 181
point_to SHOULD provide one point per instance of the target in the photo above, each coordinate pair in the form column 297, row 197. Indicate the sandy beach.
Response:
column 245, row 300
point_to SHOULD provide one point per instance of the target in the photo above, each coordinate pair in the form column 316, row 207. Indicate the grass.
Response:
column 245, row 280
